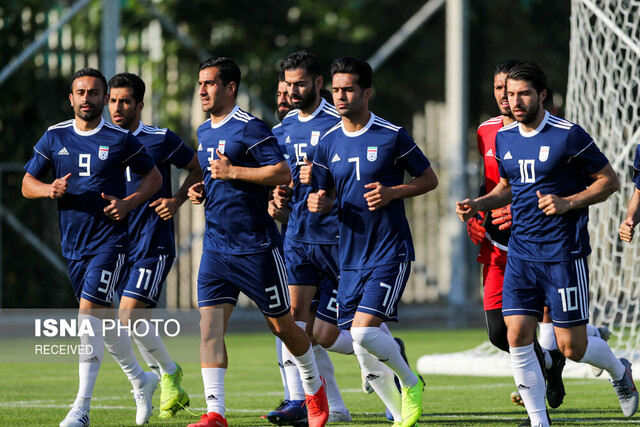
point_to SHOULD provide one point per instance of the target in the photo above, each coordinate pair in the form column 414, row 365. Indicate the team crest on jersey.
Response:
column 372, row 153
column 221, row 145
column 315, row 137
column 544, row 153
column 103, row 152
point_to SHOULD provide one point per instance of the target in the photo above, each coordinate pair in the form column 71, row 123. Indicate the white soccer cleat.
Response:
column 76, row 417
column 144, row 396
column 339, row 417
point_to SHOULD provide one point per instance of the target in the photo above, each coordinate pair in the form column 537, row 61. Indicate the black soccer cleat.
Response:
column 555, row 386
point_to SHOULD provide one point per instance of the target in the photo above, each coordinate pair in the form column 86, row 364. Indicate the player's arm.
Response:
column 118, row 209
column 380, row 196
column 33, row 188
column 278, row 174
column 627, row 227
column 498, row 197
column 167, row 208
column 605, row 182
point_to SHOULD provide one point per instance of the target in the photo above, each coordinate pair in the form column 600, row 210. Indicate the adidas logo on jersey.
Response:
column 288, row 140
column 489, row 153
column 508, row 156
column 63, row 152
column 336, row 158
column 199, row 147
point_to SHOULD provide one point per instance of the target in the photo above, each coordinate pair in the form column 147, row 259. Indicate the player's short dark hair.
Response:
column 302, row 60
column 129, row 80
column 89, row 72
column 548, row 101
column 324, row 93
column 505, row 66
column 281, row 75
column 530, row 72
column 229, row 70
column 353, row 65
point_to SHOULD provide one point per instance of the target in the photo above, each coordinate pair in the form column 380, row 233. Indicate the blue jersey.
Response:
column 278, row 132
column 97, row 161
column 151, row 235
column 636, row 168
column 237, row 220
column 380, row 152
column 556, row 158
column 302, row 138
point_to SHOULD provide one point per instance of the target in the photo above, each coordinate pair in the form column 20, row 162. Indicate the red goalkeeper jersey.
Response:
column 493, row 249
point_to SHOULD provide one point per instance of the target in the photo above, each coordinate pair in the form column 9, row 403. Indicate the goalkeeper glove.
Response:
column 502, row 217
column 475, row 229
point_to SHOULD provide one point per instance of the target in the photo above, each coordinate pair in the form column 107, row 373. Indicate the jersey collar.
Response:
column 315, row 113
column 137, row 131
column 536, row 130
column 225, row 120
column 88, row 132
column 361, row 131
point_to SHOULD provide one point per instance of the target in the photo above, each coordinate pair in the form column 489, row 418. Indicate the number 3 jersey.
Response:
column 236, row 215
column 556, row 158
column 379, row 152
column 97, row 160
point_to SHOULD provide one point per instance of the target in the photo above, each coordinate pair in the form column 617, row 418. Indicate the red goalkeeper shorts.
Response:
column 492, row 278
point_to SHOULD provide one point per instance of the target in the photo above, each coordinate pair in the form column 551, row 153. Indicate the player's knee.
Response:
column 572, row 350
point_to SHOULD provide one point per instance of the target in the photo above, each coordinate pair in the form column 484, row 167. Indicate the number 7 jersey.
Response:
column 379, row 152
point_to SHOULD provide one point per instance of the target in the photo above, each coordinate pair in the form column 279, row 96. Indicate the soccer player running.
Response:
column 493, row 236
column 241, row 159
column 551, row 170
column 311, row 241
column 360, row 164
column 88, row 158
column 152, row 248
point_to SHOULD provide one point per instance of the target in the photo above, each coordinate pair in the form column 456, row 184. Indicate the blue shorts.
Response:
column 145, row 278
column 375, row 291
column 96, row 277
column 314, row 265
column 561, row 286
column 260, row 276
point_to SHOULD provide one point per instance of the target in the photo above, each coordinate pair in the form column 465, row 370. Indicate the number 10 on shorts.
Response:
column 569, row 298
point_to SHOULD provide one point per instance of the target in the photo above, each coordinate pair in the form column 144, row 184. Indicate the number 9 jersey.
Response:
column 97, row 161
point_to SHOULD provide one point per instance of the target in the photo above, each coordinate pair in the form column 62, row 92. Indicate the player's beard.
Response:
column 305, row 100
column 280, row 113
column 94, row 112
column 530, row 115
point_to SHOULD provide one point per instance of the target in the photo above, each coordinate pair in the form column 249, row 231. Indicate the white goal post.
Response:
column 603, row 97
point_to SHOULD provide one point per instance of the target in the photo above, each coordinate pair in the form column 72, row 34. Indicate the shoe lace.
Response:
column 138, row 396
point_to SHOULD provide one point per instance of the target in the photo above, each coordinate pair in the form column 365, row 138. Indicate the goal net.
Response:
column 603, row 96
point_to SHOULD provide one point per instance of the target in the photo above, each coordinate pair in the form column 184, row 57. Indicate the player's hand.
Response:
column 502, row 217
column 305, row 171
column 280, row 215
column 552, row 204
column 466, row 209
column 475, row 229
column 117, row 209
column 379, row 196
column 221, row 168
column 282, row 195
column 196, row 193
column 166, row 208
column 626, row 230
column 59, row 187
column 319, row 202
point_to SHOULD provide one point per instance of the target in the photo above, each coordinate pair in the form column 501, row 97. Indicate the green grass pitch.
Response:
column 38, row 394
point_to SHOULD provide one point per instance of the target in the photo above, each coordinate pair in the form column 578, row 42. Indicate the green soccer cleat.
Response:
column 412, row 403
column 183, row 402
column 171, row 393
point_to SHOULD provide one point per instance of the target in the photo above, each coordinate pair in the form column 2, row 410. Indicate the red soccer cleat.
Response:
column 318, row 407
column 212, row 419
